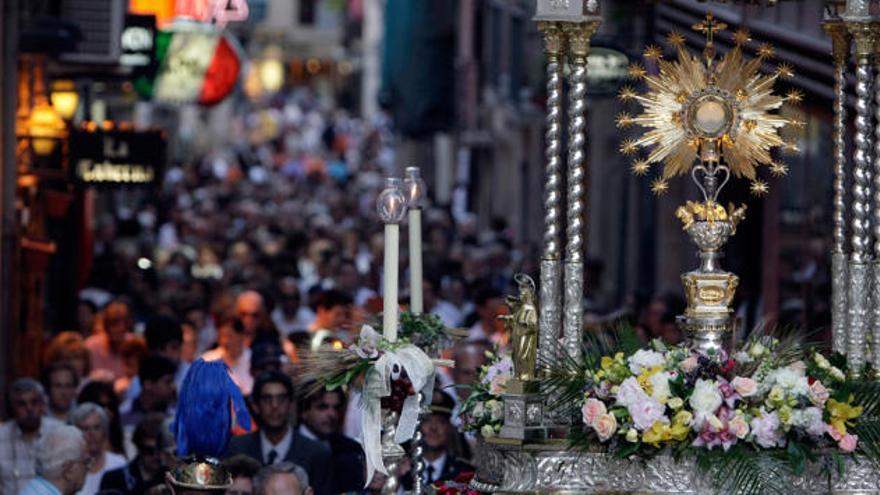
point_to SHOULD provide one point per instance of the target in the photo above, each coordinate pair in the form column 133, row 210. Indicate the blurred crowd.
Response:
column 260, row 249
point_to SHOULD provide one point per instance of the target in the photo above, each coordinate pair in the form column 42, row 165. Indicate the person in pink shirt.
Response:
column 105, row 347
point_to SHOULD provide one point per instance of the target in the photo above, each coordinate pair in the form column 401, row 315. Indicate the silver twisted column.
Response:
column 392, row 453
column 573, row 314
column 859, row 288
column 840, row 44
column 418, row 451
column 550, row 316
column 874, row 320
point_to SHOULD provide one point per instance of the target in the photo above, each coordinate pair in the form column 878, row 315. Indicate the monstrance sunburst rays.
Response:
column 670, row 105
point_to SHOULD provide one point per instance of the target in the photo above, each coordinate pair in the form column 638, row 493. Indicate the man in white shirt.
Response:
column 233, row 347
column 290, row 315
column 19, row 435
column 62, row 463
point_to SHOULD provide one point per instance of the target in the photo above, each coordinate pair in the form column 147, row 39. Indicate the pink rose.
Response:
column 498, row 384
column 592, row 409
column 848, row 442
column 818, row 394
column 689, row 364
column 605, row 426
column 738, row 426
column 745, row 387
column 798, row 366
column 832, row 431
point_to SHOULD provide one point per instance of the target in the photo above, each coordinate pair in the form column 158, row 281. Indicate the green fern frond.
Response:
column 743, row 471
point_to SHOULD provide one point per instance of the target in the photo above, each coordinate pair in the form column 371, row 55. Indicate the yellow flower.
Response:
column 842, row 413
column 645, row 378
column 607, row 363
column 661, row 432
column 784, row 414
column 776, row 394
column 683, row 418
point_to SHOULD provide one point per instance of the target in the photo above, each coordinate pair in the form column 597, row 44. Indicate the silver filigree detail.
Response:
column 573, row 315
column 559, row 4
column 514, row 412
column 857, row 316
column 838, row 302
column 875, row 314
column 839, row 159
column 533, row 413
column 550, row 312
column 560, row 471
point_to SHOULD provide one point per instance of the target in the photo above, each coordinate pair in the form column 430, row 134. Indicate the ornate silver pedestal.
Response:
column 548, row 468
column 523, row 414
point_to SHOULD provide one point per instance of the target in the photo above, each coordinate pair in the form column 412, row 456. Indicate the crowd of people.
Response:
column 265, row 247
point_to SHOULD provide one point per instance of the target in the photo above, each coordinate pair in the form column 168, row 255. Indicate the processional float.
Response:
column 713, row 118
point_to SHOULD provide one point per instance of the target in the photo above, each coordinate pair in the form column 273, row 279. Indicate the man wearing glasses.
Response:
column 145, row 471
column 277, row 441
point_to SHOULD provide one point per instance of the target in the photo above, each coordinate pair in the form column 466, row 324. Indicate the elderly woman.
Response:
column 93, row 421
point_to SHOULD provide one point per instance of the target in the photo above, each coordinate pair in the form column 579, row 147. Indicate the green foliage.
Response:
column 743, row 470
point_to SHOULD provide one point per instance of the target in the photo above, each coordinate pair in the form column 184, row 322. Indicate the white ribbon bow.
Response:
column 420, row 370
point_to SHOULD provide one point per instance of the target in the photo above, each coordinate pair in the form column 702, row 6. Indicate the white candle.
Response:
column 415, row 261
column 389, row 303
column 391, row 206
column 414, row 190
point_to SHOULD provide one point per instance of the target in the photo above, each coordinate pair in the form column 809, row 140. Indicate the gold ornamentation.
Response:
column 840, row 40
column 653, row 52
column 554, row 42
column 729, row 101
column 626, row 93
column 778, row 169
column 741, row 37
column 785, row 70
column 794, row 97
column 628, row 146
column 640, row 167
column 675, row 39
column 578, row 38
column 766, row 51
column 659, row 186
column 637, row 71
column 758, row 187
column 624, row 120
column 865, row 36
column 522, row 323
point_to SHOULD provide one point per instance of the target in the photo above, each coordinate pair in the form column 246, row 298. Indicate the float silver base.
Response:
column 514, row 467
column 523, row 417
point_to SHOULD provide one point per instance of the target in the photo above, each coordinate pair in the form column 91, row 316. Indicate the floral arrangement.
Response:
column 749, row 418
column 483, row 410
column 343, row 368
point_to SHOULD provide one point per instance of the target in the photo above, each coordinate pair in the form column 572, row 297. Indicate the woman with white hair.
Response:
column 62, row 463
column 94, row 423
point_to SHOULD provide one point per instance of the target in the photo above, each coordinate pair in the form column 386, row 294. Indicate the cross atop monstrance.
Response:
column 708, row 26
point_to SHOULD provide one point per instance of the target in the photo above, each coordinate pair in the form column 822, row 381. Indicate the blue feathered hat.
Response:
column 209, row 407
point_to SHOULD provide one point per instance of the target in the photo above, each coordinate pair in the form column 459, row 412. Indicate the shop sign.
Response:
column 117, row 158
column 138, row 41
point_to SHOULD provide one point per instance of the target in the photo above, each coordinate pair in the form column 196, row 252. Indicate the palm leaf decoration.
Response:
column 742, row 470
column 867, row 395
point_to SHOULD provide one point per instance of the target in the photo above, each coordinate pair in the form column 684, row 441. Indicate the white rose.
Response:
column 757, row 349
column 837, row 374
column 487, row 431
column 496, row 409
column 791, row 380
column 821, row 361
column 742, row 357
column 660, row 386
column 645, row 359
column 705, row 399
column 479, row 410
